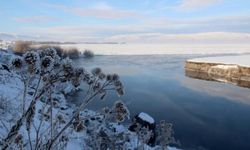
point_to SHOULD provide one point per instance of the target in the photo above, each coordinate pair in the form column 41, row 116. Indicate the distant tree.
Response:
column 21, row 47
column 72, row 53
column 88, row 54
column 63, row 52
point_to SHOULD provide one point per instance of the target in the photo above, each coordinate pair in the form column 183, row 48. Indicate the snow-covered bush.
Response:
column 165, row 134
column 44, row 120
column 88, row 54
column 72, row 53
column 41, row 72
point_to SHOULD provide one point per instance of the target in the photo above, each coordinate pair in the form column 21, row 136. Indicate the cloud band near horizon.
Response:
column 131, row 21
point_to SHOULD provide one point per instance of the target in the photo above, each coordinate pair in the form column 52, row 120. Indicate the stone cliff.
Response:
column 232, row 73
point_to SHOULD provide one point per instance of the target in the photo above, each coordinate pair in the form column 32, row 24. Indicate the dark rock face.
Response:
column 234, row 74
column 137, row 121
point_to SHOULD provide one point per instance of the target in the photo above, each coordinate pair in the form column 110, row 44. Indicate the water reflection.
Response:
column 219, row 89
column 211, row 77
column 205, row 114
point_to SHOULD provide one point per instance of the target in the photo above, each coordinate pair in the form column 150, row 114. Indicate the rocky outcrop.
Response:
column 231, row 73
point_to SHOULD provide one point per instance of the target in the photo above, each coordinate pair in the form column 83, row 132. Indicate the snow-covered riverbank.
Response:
column 150, row 49
column 232, row 69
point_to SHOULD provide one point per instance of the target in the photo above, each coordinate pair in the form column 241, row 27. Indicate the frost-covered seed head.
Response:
column 144, row 134
column 60, row 118
column 120, row 91
column 41, row 53
column 64, row 138
column 78, row 126
column 97, row 86
column 52, row 77
column 121, row 111
column 18, row 139
column 86, row 77
column 79, row 72
column 45, row 78
column 47, row 62
column 120, row 118
column 106, row 110
column 119, row 104
column 68, row 67
column 165, row 134
column 109, row 77
column 96, row 71
column 118, row 84
column 31, row 57
column 102, row 76
column 50, row 52
column 17, row 62
column 75, row 82
column 115, row 77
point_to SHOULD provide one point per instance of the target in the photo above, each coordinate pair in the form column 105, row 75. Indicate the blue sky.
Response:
column 126, row 21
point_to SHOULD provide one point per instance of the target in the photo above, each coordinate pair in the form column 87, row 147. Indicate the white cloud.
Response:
column 194, row 38
column 99, row 10
column 34, row 19
column 190, row 5
column 102, row 6
column 157, row 30
column 102, row 13
column 98, row 34
column 209, row 24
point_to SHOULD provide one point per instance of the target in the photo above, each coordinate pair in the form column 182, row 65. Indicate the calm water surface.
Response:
column 205, row 115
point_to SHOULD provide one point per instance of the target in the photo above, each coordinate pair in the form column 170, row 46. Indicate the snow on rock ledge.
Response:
column 240, row 60
column 231, row 69
column 146, row 117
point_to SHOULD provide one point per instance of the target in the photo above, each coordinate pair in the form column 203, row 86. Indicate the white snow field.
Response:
column 230, row 61
column 149, row 49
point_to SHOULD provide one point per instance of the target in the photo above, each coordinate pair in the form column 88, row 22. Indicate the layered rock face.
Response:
column 234, row 74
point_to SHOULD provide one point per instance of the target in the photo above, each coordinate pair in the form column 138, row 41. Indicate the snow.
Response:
column 149, row 49
column 226, row 66
column 232, row 61
column 172, row 148
column 146, row 117
column 73, row 146
column 11, row 88
column 5, row 44
column 119, row 128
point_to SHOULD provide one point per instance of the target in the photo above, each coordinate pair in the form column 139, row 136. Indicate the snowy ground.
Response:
column 241, row 60
column 149, row 49
column 11, row 92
